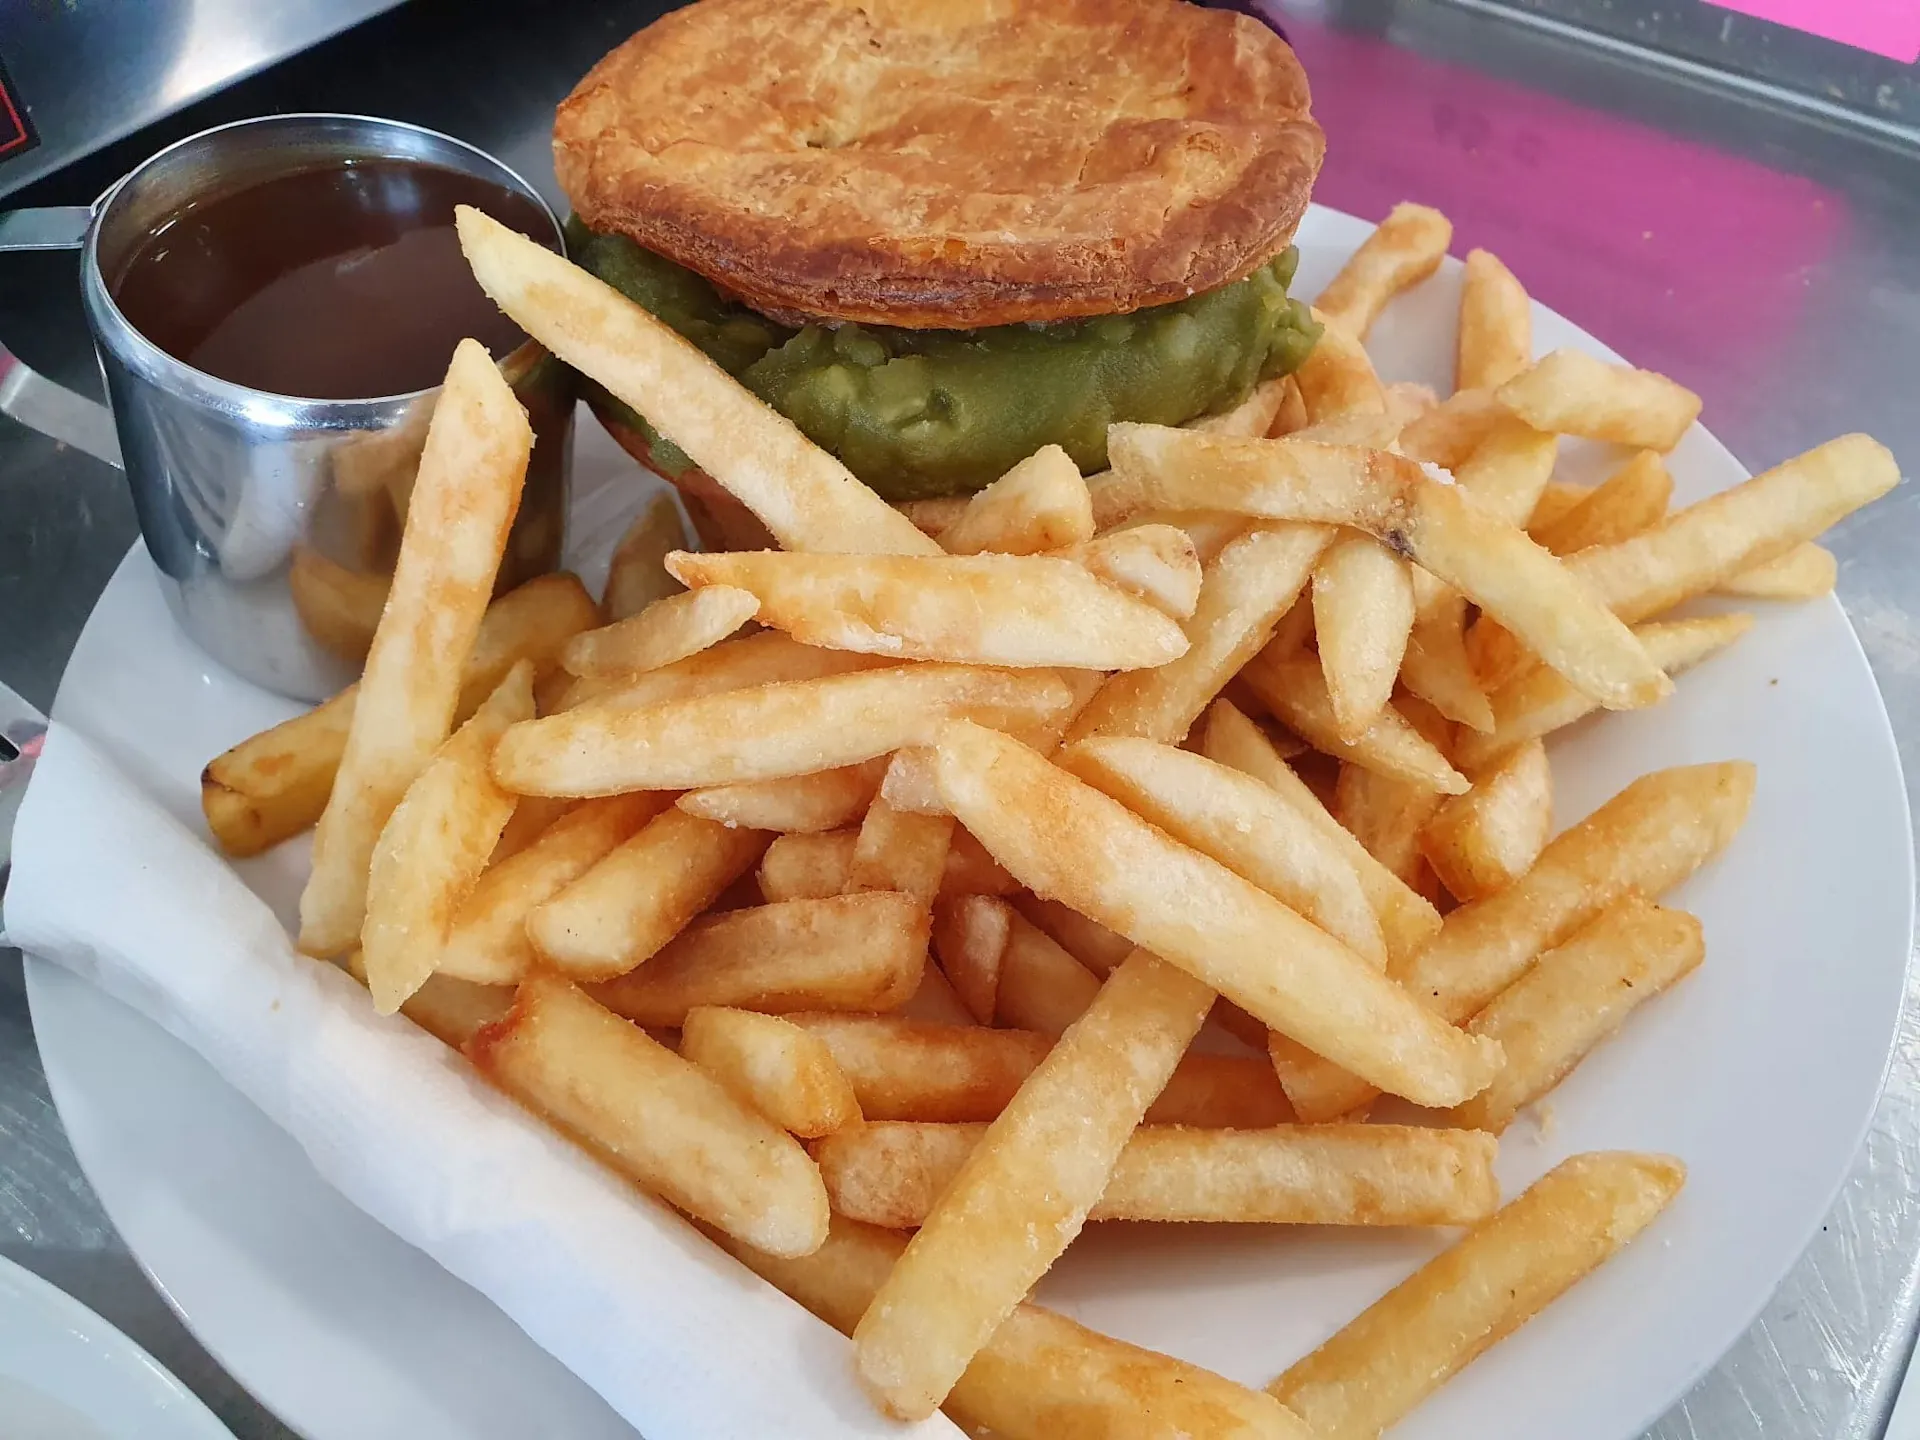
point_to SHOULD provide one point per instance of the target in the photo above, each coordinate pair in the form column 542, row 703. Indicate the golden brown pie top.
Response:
column 947, row 163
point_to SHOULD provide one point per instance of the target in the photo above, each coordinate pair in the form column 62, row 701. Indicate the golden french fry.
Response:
column 805, row 497
column 1386, row 814
column 1505, row 1270
column 1021, row 610
column 1038, row 1366
column 799, row 804
column 1291, row 414
column 1088, row 941
column 1508, row 469
column 1211, row 531
column 893, row 1173
column 1405, row 249
column 766, row 732
column 1062, row 838
column 1254, row 415
column 908, row 782
column 849, row 952
column 1024, row 1193
column 1570, row 393
column 778, row 1069
column 1575, row 997
column 667, row 630
column 630, row 903
column 969, row 937
column 1221, row 1092
column 905, row 1069
column 1318, row 1090
column 655, row 1117
column 932, row 517
column 1447, row 434
column 1041, row 988
column 1483, row 947
column 561, row 691
column 899, row 850
column 1295, row 690
column 1495, row 339
column 1555, row 501
column 1291, row 636
column 1648, row 838
column 276, row 784
column 970, row 870
column 530, row 622
column 916, row 1070
column 1371, row 429
column 1407, row 920
column 811, row 867
column 1040, row 504
column 463, row 504
column 1486, row 839
column 1156, row 563
column 1407, row 402
column 339, row 608
column 1802, row 573
column 434, row 846
column 637, row 575
column 934, row 1000
column 1436, row 668
column 807, row 867
column 1540, row 702
column 452, row 1011
column 380, row 462
column 1113, row 502
column 1493, row 564
column 1243, row 592
column 1631, row 500
column 1362, row 616
column 765, row 658
column 1337, row 378
column 531, row 816
column 1240, row 822
column 488, row 941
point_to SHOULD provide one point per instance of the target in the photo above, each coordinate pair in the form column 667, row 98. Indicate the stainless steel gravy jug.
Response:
column 272, row 520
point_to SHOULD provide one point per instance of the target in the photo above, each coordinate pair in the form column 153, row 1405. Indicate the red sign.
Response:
column 16, row 128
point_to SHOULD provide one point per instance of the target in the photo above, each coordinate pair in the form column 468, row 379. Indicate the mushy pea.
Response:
column 918, row 413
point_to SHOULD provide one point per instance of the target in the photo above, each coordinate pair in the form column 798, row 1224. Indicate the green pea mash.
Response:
column 921, row 413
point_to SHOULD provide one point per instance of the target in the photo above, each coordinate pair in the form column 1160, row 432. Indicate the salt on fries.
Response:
column 944, row 870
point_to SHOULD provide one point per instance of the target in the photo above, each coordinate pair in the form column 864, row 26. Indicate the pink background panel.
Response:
column 1886, row 27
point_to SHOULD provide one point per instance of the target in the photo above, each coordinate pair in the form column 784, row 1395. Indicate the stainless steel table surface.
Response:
column 1770, row 260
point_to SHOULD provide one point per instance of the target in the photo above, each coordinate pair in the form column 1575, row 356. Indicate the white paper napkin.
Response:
column 680, row 1339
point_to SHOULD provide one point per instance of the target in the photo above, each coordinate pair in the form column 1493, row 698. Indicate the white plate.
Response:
column 1761, row 1071
column 66, row 1374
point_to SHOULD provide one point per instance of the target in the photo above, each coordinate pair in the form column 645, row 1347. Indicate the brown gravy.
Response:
column 340, row 282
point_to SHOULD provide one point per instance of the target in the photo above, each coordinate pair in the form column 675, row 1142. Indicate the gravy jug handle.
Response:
column 25, row 394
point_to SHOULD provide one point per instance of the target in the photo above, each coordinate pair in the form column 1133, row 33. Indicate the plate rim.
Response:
column 111, row 1347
